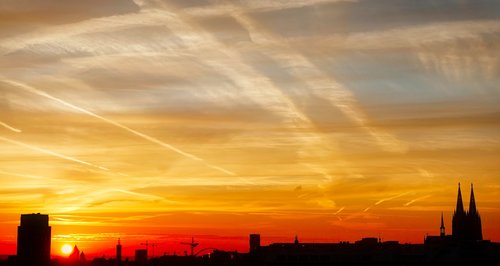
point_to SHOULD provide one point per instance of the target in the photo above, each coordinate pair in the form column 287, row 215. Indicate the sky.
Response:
column 163, row 120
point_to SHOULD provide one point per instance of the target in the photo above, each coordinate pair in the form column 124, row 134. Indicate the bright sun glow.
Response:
column 66, row 249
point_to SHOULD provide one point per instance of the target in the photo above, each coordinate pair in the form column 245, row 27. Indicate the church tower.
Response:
column 442, row 232
column 474, row 228
column 466, row 225
column 459, row 219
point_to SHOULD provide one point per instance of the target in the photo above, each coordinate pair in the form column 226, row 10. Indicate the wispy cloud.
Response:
column 416, row 199
column 11, row 128
column 52, row 153
column 278, row 114
column 385, row 200
column 339, row 210
column 114, row 123
column 20, row 175
column 391, row 198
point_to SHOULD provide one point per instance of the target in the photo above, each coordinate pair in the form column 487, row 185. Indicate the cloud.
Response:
column 353, row 102
column 348, row 17
column 119, row 125
column 416, row 199
column 10, row 127
column 52, row 153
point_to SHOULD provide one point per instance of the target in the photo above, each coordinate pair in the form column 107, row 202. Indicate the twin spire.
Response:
column 472, row 202
column 460, row 205
column 466, row 225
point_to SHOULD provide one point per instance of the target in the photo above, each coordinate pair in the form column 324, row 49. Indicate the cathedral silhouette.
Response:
column 466, row 225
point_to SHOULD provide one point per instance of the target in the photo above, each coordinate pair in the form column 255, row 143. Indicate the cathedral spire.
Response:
column 460, row 205
column 458, row 223
column 472, row 203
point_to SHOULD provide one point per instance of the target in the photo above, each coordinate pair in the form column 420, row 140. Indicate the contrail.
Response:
column 415, row 200
column 341, row 209
column 62, row 156
column 384, row 200
column 324, row 86
column 109, row 121
column 391, row 198
column 21, row 175
column 10, row 128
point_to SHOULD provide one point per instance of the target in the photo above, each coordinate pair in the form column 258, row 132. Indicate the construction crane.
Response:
column 153, row 245
column 192, row 244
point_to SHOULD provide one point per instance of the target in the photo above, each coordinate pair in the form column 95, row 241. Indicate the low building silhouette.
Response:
column 465, row 246
column 141, row 256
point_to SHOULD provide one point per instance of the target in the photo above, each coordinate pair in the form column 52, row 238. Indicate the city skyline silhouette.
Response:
column 34, row 242
column 185, row 126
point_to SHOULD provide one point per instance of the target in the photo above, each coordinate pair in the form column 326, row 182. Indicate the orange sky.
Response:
column 162, row 120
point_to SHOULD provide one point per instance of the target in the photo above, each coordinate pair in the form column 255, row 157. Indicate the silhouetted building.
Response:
column 368, row 241
column 82, row 257
column 141, row 256
column 119, row 251
column 75, row 255
column 33, row 239
column 466, row 225
column 254, row 242
column 474, row 229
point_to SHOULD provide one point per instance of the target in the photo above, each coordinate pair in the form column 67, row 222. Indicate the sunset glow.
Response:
column 167, row 120
column 66, row 249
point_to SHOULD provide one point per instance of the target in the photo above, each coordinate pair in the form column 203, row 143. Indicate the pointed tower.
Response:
column 75, row 255
column 460, row 204
column 472, row 203
column 442, row 232
column 459, row 219
column 473, row 228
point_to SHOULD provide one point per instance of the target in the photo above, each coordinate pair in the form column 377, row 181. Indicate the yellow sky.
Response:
column 347, row 114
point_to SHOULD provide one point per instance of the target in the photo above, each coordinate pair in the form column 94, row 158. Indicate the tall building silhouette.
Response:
column 254, row 242
column 118, row 251
column 466, row 225
column 33, row 239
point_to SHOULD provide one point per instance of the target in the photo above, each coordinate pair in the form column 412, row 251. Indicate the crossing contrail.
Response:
column 119, row 125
